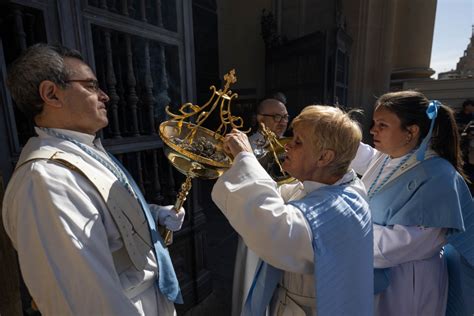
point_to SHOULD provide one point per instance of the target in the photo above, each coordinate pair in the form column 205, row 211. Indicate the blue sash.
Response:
column 343, row 254
column 167, row 280
column 263, row 286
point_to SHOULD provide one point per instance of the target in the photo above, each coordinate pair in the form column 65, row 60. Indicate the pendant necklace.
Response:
column 373, row 189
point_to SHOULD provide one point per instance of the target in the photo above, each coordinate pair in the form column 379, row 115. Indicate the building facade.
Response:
column 465, row 66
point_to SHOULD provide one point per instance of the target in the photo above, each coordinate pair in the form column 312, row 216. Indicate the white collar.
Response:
column 84, row 138
column 310, row 186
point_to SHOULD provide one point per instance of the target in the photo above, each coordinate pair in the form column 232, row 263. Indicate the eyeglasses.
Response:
column 91, row 84
column 277, row 117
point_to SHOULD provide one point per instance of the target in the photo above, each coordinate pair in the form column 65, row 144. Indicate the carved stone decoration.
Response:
column 131, row 8
column 122, row 103
column 111, row 90
column 139, row 174
column 113, row 6
column 162, row 98
column 143, row 11
column 131, row 83
column 148, row 98
column 157, row 13
column 159, row 16
column 124, row 7
column 155, row 179
column 30, row 28
column 103, row 4
column 19, row 29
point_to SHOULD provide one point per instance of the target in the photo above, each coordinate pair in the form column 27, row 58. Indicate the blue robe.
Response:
column 343, row 254
column 433, row 194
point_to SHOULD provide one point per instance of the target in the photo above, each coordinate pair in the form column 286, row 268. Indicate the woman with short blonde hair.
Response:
column 314, row 237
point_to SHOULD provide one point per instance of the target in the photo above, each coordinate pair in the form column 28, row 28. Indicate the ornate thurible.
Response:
column 194, row 150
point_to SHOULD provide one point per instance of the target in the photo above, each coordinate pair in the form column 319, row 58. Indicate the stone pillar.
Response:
column 413, row 39
column 371, row 25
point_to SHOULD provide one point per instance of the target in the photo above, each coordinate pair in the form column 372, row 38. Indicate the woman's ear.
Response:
column 326, row 157
column 48, row 91
column 413, row 131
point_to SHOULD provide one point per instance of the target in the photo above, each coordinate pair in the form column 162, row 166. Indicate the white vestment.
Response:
column 277, row 232
column 65, row 237
column 245, row 259
column 413, row 253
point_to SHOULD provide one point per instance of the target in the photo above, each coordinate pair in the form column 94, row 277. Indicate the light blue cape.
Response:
column 433, row 194
column 343, row 254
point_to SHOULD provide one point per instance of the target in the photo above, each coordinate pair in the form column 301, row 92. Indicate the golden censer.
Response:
column 194, row 150
column 197, row 152
column 273, row 154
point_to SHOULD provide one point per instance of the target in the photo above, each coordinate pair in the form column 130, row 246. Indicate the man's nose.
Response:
column 103, row 96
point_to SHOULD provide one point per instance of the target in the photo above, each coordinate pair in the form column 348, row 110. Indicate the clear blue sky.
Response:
column 452, row 33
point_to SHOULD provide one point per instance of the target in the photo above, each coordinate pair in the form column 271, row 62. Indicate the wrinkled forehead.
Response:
column 272, row 106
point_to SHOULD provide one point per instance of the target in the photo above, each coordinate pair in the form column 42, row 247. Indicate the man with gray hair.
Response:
column 272, row 113
column 87, row 241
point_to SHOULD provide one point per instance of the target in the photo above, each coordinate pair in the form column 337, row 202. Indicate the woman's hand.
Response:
column 236, row 142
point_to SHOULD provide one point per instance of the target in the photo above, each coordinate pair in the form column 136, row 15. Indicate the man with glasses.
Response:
column 87, row 241
column 272, row 113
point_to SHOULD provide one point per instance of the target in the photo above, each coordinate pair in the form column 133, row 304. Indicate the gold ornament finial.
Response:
column 272, row 140
column 221, row 98
column 229, row 78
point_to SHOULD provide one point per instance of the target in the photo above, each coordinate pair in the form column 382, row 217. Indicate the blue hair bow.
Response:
column 432, row 113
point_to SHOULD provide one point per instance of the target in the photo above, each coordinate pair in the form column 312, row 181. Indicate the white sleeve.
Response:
column 277, row 232
column 53, row 217
column 364, row 156
column 397, row 244
column 291, row 191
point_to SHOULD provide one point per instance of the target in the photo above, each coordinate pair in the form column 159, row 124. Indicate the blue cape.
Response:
column 343, row 254
column 433, row 194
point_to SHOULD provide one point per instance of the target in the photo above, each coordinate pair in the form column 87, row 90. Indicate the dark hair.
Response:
column 410, row 107
column 38, row 63
column 467, row 102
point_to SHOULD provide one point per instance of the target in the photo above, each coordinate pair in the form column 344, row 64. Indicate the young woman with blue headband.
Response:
column 421, row 206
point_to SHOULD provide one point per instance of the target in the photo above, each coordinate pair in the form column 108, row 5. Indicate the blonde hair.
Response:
column 331, row 128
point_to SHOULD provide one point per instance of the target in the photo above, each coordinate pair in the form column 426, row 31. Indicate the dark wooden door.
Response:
column 310, row 70
column 298, row 68
column 9, row 276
